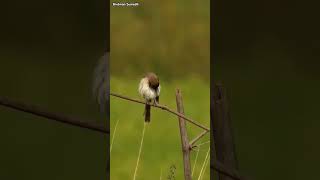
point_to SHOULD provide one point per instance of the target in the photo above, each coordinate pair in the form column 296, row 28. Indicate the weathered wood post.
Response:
column 184, row 138
column 222, row 131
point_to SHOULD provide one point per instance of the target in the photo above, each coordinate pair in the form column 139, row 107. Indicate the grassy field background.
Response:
column 162, row 144
column 171, row 39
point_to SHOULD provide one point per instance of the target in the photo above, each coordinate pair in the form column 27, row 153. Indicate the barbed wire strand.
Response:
column 41, row 112
column 75, row 121
column 163, row 108
column 192, row 142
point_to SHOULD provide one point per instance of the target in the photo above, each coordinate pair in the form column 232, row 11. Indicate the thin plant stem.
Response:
column 205, row 167
column 204, row 164
column 195, row 162
column 140, row 149
column 113, row 135
column 202, row 143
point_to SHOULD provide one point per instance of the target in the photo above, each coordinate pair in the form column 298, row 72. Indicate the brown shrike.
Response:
column 101, row 83
column 149, row 89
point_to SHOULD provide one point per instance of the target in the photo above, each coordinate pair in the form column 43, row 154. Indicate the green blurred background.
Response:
column 170, row 38
column 48, row 53
column 267, row 55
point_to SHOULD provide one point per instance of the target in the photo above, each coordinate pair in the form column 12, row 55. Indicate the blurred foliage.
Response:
column 36, row 148
column 169, row 38
column 48, row 53
column 53, row 27
column 268, row 58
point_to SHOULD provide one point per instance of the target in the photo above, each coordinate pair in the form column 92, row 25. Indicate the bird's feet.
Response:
column 155, row 103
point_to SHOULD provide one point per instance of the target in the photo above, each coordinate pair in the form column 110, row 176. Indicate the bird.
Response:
column 149, row 89
column 101, row 89
column 101, row 84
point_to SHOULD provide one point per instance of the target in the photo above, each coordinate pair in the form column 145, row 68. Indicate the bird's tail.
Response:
column 147, row 113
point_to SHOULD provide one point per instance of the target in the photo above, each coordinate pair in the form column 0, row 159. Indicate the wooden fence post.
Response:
column 184, row 138
column 222, row 131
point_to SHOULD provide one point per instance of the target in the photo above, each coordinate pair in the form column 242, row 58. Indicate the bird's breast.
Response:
column 145, row 91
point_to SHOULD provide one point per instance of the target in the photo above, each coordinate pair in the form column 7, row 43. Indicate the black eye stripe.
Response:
column 154, row 87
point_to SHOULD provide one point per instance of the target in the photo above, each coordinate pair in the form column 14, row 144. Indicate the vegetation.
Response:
column 162, row 144
column 171, row 38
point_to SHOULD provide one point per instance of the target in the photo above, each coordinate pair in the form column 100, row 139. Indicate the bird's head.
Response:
column 153, row 80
